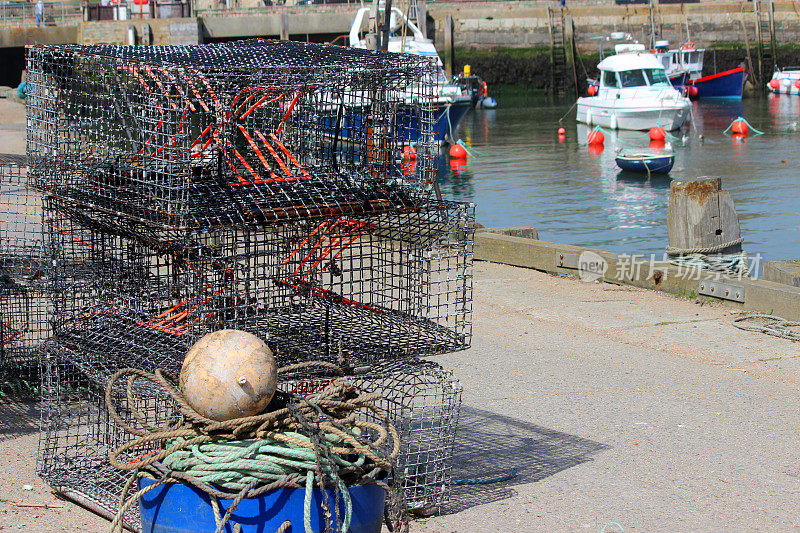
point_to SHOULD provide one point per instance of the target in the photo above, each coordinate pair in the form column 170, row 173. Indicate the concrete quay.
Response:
column 476, row 24
column 616, row 404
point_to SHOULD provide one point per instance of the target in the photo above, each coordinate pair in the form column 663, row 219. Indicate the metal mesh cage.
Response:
column 230, row 134
column 421, row 398
column 346, row 289
column 24, row 324
column 22, row 256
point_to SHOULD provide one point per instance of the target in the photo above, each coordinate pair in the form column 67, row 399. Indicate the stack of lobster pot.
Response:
column 24, row 324
column 260, row 186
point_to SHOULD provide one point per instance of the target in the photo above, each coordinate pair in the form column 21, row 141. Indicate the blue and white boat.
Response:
column 451, row 103
column 646, row 163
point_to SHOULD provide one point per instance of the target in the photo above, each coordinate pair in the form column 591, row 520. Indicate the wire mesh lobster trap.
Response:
column 230, row 134
column 347, row 290
column 24, row 324
column 421, row 399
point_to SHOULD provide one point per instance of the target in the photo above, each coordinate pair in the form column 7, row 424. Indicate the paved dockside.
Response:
column 615, row 403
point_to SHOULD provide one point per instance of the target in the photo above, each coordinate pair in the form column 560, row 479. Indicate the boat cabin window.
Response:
column 632, row 78
column 609, row 79
column 657, row 77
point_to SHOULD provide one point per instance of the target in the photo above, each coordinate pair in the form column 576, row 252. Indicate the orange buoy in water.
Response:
column 591, row 90
column 458, row 165
column 774, row 83
column 409, row 153
column 692, row 91
column 458, row 152
column 409, row 167
column 596, row 137
column 561, row 132
column 797, row 84
column 739, row 127
column 596, row 149
column 657, row 144
column 657, row 133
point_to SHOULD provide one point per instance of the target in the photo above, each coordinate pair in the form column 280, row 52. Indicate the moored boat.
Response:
column 786, row 81
column 645, row 162
column 450, row 102
column 684, row 67
column 727, row 84
column 633, row 93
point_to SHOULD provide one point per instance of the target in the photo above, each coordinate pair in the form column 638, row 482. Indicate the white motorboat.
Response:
column 634, row 93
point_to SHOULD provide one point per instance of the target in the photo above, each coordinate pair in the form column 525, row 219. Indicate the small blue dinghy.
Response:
column 647, row 163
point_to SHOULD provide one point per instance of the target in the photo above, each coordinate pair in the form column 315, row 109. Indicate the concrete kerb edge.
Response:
column 501, row 245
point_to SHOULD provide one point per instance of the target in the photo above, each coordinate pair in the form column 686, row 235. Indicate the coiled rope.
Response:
column 318, row 440
column 771, row 325
column 704, row 258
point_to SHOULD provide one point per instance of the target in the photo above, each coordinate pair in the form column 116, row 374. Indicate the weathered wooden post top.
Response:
column 702, row 219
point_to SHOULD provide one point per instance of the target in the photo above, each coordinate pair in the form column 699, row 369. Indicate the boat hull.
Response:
column 652, row 164
column 728, row 84
column 406, row 123
column 632, row 118
column 449, row 116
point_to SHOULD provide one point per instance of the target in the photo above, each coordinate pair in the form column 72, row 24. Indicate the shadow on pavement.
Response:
column 490, row 445
column 18, row 418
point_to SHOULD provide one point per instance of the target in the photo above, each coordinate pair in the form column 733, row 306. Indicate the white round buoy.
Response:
column 228, row 374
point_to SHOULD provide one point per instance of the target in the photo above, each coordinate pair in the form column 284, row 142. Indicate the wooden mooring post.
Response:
column 448, row 44
column 702, row 216
column 284, row 27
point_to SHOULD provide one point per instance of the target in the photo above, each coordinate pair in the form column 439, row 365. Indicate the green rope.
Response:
column 471, row 151
column 667, row 135
column 751, row 128
column 236, row 464
column 730, row 264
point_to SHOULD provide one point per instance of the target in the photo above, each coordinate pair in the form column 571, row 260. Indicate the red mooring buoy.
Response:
column 596, row 137
column 739, row 127
column 692, row 91
column 562, row 132
column 797, row 84
column 458, row 152
column 409, row 153
column 657, row 133
column 596, row 149
column 458, row 165
column 591, row 90
column 774, row 83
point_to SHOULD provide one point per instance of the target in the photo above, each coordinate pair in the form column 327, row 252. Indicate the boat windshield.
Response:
column 657, row 77
column 632, row 78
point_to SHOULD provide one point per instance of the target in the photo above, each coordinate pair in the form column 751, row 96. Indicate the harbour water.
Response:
column 523, row 175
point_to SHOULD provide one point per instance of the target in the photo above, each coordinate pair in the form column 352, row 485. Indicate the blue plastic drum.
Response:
column 177, row 508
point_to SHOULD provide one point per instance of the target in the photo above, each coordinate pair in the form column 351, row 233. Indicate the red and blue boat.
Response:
column 727, row 84
column 687, row 59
